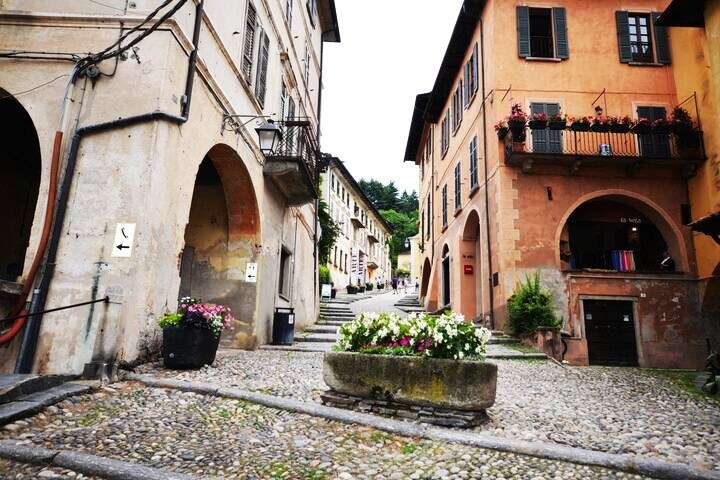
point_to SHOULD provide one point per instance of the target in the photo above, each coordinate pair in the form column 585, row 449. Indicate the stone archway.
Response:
column 20, row 172
column 425, row 282
column 445, row 290
column 221, row 239
column 469, row 244
column 666, row 227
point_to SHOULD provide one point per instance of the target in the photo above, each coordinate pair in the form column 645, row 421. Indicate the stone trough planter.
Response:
column 432, row 390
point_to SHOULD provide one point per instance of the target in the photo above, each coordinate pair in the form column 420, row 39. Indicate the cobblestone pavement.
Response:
column 19, row 471
column 200, row 435
column 615, row 410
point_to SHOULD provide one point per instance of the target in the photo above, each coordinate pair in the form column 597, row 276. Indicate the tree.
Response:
column 330, row 231
column 404, row 225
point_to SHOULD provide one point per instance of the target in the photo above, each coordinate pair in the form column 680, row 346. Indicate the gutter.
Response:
column 491, row 290
column 28, row 345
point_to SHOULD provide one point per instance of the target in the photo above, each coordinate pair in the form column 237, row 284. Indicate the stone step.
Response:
column 322, row 328
column 338, row 317
column 28, row 405
column 341, row 310
column 316, row 338
column 13, row 386
column 300, row 347
column 331, row 322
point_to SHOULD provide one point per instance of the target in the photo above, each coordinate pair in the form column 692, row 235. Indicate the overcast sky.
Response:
column 390, row 51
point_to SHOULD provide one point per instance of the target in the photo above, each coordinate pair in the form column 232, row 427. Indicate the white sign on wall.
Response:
column 251, row 273
column 123, row 242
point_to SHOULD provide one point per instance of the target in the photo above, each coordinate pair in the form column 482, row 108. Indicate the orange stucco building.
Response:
column 596, row 213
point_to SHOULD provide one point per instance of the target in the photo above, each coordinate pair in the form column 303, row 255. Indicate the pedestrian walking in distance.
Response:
column 394, row 284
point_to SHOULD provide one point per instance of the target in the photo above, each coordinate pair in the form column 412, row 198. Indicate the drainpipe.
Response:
column 487, row 194
column 28, row 346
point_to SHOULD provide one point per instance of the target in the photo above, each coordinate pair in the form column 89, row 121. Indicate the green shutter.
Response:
column 662, row 48
column 523, row 31
column 623, row 35
column 562, row 50
column 474, row 73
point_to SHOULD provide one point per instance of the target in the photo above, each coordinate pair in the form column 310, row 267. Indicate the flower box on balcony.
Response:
column 600, row 127
column 641, row 129
column 580, row 126
column 537, row 124
column 620, row 128
column 557, row 125
column 516, row 126
column 502, row 132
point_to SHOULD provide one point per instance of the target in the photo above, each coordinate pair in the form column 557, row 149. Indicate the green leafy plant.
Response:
column 324, row 273
column 712, row 383
column 446, row 336
column 530, row 306
column 192, row 312
column 170, row 320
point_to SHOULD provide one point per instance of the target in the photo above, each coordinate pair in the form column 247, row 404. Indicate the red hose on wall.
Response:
column 18, row 308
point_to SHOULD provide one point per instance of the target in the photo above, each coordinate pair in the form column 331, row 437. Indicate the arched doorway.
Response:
column 20, row 171
column 424, row 285
column 445, row 276
column 470, row 252
column 221, row 235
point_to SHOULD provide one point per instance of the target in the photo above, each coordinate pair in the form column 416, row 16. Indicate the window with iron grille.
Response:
column 445, row 133
column 288, row 11
column 457, row 185
column 444, row 205
column 262, row 66
column 249, row 40
column 473, row 163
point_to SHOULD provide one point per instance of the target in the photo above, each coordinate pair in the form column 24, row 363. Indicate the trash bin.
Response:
column 283, row 326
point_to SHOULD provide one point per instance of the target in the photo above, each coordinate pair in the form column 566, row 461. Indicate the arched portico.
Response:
column 469, row 247
column 220, row 240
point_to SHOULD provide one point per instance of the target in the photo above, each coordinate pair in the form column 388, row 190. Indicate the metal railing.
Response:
column 298, row 142
column 593, row 143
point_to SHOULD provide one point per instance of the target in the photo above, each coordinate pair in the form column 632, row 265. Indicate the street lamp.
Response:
column 269, row 135
column 407, row 243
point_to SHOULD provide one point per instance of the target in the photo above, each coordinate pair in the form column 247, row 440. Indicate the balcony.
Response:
column 357, row 219
column 372, row 238
column 573, row 151
column 293, row 166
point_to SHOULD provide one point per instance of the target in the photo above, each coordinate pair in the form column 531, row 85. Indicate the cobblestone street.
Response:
column 195, row 434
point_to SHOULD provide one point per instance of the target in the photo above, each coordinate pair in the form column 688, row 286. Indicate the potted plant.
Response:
column 368, row 286
column 351, row 289
column 642, row 126
column 502, row 129
column 192, row 334
column 580, row 124
column 539, row 121
column 517, row 120
column 361, row 288
column 333, row 292
column 557, row 121
column 662, row 126
column 530, row 307
column 600, row 124
column 620, row 124
column 680, row 121
column 432, row 362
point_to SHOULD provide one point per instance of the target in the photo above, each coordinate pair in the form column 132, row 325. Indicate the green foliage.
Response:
column 169, row 320
column 330, row 232
column 324, row 275
column 404, row 226
column 446, row 336
column 402, row 272
column 408, row 448
column 712, row 383
column 529, row 307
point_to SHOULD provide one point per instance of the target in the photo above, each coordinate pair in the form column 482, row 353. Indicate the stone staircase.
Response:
column 25, row 395
column 410, row 304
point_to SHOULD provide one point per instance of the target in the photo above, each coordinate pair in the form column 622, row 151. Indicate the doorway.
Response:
column 610, row 332
column 446, row 277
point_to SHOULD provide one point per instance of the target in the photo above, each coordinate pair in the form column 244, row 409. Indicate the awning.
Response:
column 709, row 225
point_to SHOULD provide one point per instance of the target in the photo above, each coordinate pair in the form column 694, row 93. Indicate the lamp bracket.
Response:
column 227, row 119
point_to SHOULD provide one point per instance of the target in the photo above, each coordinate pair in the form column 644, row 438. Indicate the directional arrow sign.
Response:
column 123, row 242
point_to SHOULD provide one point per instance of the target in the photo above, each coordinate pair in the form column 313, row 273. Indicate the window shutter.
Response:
column 466, row 84
column 261, row 78
column 523, row 31
column 623, row 34
column 474, row 67
column 562, row 49
column 249, row 41
column 662, row 48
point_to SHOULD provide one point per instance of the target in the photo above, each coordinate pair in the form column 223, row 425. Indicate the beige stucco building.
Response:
column 149, row 141
column 360, row 254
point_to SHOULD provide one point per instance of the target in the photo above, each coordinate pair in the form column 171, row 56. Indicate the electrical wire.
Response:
column 17, row 94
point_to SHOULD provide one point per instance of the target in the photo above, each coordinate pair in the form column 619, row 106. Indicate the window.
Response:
column 284, row 281
column 249, row 41
column 307, row 66
column 457, row 107
column 335, row 256
column 429, row 217
column 470, row 78
column 473, row 163
column 288, row 12
column 444, row 205
column 262, row 67
column 291, row 108
column 546, row 141
column 457, row 186
column 640, row 40
column 284, row 100
column 542, row 33
column 653, row 145
column 445, row 133
column 312, row 11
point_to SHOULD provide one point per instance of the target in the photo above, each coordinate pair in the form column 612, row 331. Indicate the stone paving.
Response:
column 20, row 471
column 200, row 435
column 615, row 410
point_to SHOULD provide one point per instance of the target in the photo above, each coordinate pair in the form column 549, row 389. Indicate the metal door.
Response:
column 610, row 332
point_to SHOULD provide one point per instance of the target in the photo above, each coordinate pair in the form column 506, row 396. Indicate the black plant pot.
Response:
column 620, row 128
column 188, row 346
column 681, row 128
column 502, row 133
column 333, row 292
column 580, row 127
column 642, row 129
column 516, row 127
column 600, row 128
column 361, row 289
column 557, row 125
column 663, row 129
column 351, row 290
column 537, row 124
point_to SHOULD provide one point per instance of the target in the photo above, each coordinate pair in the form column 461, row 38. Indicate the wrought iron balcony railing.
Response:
column 298, row 142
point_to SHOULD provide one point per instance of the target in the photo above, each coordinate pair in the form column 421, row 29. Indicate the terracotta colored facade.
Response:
column 516, row 209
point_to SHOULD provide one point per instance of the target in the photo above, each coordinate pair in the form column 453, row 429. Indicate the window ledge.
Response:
column 470, row 102
column 544, row 59
column 457, row 211
column 646, row 64
column 282, row 295
column 444, row 227
column 474, row 190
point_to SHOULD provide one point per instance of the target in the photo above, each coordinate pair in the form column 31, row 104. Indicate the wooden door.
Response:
column 610, row 332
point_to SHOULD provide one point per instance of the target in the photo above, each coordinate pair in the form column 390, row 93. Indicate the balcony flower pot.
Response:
column 681, row 128
column 351, row 289
column 517, row 127
column 580, row 127
column 333, row 292
column 502, row 132
column 361, row 289
column 600, row 127
column 557, row 125
column 662, row 129
column 620, row 128
column 537, row 124
column 188, row 346
column 641, row 129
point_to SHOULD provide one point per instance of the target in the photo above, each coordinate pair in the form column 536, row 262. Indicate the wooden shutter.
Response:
column 249, row 41
column 466, row 84
column 562, row 49
column 263, row 56
column 523, row 31
column 623, row 35
column 474, row 73
column 662, row 48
